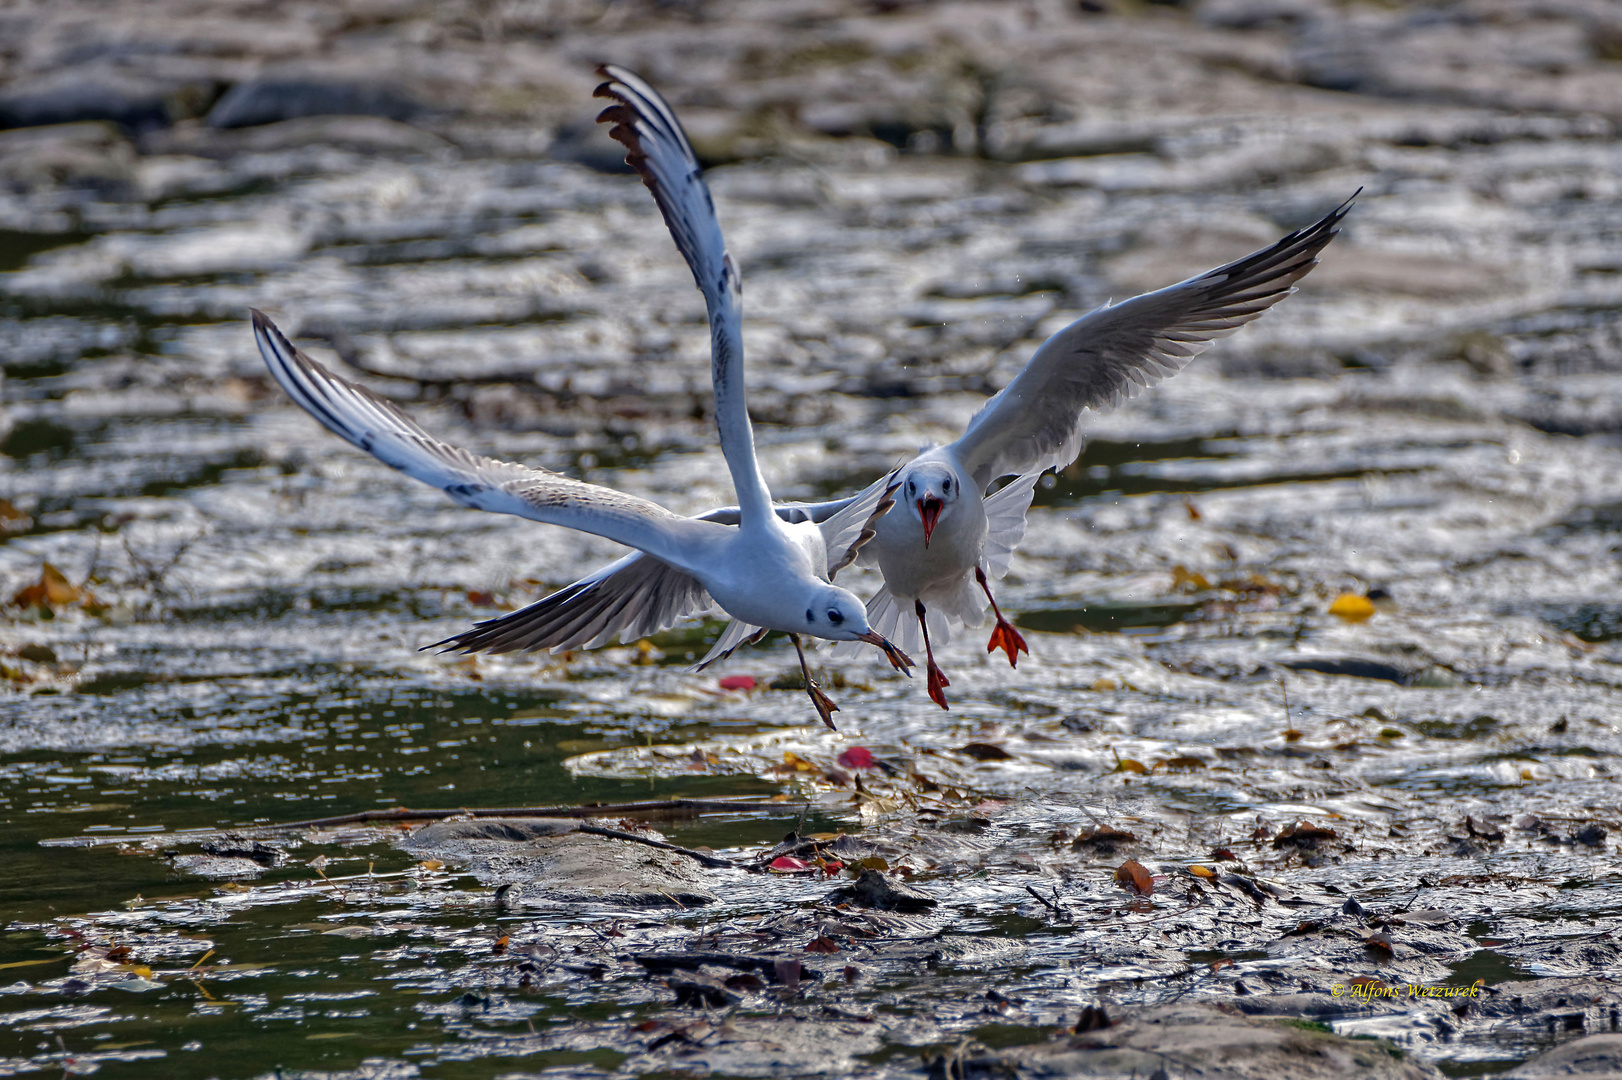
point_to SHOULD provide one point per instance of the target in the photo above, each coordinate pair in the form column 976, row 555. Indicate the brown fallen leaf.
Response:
column 1181, row 761
column 1133, row 875
column 1303, row 835
column 1222, row 854
column 1103, row 840
column 53, row 590
column 980, row 751
column 821, row 945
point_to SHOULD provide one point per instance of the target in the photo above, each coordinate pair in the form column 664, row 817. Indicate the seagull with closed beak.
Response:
column 769, row 568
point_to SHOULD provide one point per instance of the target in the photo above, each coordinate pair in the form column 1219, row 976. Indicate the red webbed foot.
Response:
column 938, row 682
column 1006, row 638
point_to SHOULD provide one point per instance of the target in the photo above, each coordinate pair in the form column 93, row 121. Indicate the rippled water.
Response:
column 1433, row 415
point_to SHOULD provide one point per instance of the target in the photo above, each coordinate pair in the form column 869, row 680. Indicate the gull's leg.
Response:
column 825, row 706
column 1004, row 637
column 938, row 682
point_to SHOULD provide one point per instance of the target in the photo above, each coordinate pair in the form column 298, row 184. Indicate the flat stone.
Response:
column 362, row 134
column 287, row 97
column 90, row 154
column 136, row 101
column 1209, row 1041
column 543, row 862
column 875, row 889
column 1595, row 1055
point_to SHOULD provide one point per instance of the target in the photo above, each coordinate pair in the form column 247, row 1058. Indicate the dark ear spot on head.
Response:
column 810, row 618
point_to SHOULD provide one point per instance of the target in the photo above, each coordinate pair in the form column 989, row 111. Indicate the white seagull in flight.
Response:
column 939, row 549
column 768, row 569
column 939, row 552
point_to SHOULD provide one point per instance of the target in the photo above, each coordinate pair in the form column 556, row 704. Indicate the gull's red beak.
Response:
column 929, row 512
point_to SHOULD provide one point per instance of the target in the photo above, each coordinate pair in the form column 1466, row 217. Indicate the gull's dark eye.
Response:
column 810, row 618
column 946, row 485
column 835, row 616
column 912, row 489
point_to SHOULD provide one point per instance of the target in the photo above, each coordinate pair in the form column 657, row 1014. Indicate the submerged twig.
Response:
column 712, row 861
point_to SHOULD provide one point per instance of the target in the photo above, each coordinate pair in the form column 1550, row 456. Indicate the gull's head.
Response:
column 836, row 614
column 929, row 490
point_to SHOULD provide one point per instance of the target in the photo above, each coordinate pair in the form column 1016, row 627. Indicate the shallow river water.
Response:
column 232, row 638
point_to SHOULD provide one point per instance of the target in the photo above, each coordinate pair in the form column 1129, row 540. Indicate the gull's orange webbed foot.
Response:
column 938, row 682
column 1006, row 638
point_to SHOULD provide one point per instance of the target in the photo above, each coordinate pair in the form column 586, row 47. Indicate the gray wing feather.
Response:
column 633, row 597
column 845, row 532
column 1109, row 355
column 360, row 417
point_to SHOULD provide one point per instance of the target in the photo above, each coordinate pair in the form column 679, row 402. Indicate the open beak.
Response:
column 898, row 659
column 929, row 512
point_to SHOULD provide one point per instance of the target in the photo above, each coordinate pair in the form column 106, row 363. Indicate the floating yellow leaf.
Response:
column 1102, row 685
column 1126, row 764
column 1203, row 872
column 798, row 763
column 1352, row 607
column 1193, row 580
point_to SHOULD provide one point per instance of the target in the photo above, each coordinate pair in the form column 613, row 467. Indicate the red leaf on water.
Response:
column 788, row 864
column 857, row 757
column 738, row 682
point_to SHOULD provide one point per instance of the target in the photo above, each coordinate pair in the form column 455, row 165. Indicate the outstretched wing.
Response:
column 658, row 150
column 736, row 633
column 632, row 598
column 1102, row 358
column 388, row 434
column 846, row 531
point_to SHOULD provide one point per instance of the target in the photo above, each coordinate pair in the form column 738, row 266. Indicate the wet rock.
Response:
column 217, row 867
column 90, row 155
column 376, row 135
column 1197, row 1040
column 876, row 889
column 538, row 862
column 272, row 98
column 768, row 968
column 452, row 839
column 1593, row 1055
column 134, row 100
column 762, row 1046
column 238, row 847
